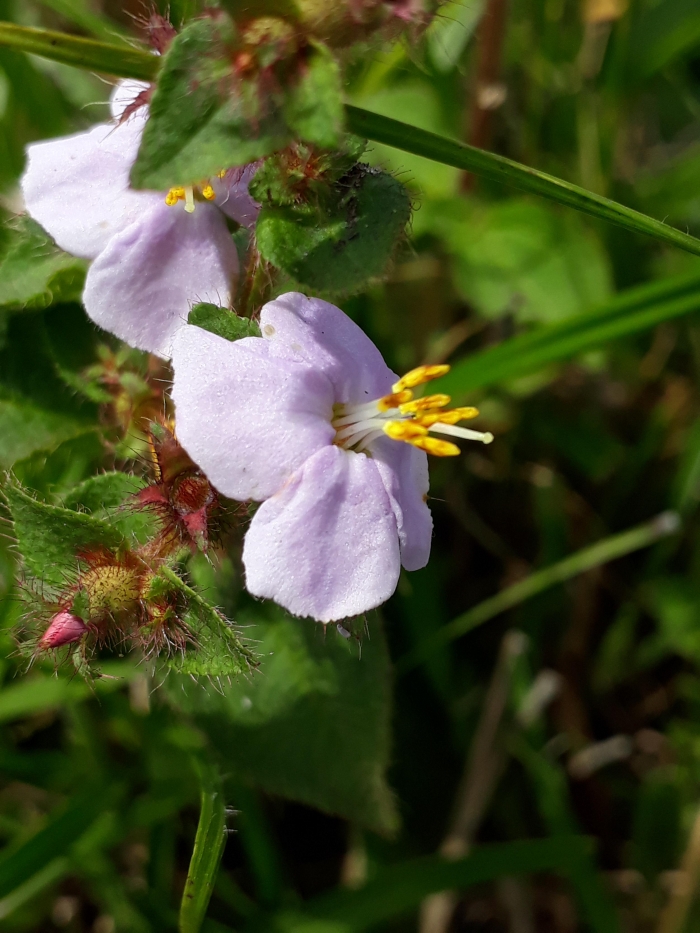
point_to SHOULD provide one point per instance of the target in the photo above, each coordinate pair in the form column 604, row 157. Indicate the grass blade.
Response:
column 131, row 63
column 633, row 310
column 586, row 559
column 82, row 53
column 22, row 864
column 208, row 849
column 401, row 888
column 497, row 168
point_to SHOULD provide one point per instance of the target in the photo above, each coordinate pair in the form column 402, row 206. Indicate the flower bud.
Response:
column 64, row 629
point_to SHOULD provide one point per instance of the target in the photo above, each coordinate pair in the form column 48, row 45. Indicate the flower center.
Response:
column 404, row 418
column 189, row 194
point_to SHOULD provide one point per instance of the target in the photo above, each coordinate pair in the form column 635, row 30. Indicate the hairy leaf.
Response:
column 219, row 650
column 223, row 323
column 34, row 272
column 342, row 242
column 312, row 724
column 235, row 113
column 50, row 538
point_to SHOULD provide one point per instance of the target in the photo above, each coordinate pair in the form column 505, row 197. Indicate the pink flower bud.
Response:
column 63, row 629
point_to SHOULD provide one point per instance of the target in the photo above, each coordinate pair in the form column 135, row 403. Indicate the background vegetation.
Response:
column 551, row 735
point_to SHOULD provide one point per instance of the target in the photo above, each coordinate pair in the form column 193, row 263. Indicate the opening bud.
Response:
column 64, row 629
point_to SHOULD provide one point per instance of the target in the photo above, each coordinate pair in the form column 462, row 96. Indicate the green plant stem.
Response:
column 208, row 848
column 82, row 53
column 131, row 63
column 601, row 553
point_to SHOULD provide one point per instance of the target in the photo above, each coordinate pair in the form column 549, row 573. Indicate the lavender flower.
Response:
column 309, row 420
column 151, row 258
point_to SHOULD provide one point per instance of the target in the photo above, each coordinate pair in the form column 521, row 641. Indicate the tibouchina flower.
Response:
column 310, row 420
column 154, row 254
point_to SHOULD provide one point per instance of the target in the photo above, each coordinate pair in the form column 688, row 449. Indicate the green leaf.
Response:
column 208, row 848
column 313, row 109
column 521, row 257
column 34, row 272
column 220, row 651
column 340, row 244
column 37, row 411
column 26, row 428
column 231, row 120
column 633, row 310
column 222, row 322
column 82, row 53
column 109, row 496
column 50, row 537
column 312, row 724
column 448, row 34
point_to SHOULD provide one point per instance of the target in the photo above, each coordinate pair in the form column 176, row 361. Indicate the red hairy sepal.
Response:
column 184, row 498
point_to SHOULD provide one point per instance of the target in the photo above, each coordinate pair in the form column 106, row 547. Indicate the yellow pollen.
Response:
column 432, row 445
column 174, row 195
column 419, row 375
column 208, row 193
column 451, row 416
column 424, row 404
column 394, row 401
column 404, row 430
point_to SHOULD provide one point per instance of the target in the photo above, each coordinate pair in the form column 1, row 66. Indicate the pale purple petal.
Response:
column 123, row 95
column 247, row 419
column 142, row 286
column 326, row 545
column 232, row 195
column 327, row 339
column 77, row 187
column 404, row 472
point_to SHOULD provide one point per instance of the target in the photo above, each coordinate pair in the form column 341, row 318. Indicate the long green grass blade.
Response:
column 594, row 556
column 402, row 887
column 82, row 53
column 208, row 849
column 131, row 63
column 460, row 155
column 20, row 865
column 633, row 310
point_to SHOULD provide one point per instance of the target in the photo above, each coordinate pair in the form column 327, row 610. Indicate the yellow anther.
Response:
column 419, row 375
column 424, row 404
column 404, row 430
column 432, row 445
column 394, row 401
column 222, row 174
column 208, row 193
column 451, row 416
column 174, row 195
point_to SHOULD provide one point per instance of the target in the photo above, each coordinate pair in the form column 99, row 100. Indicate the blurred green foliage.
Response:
column 578, row 756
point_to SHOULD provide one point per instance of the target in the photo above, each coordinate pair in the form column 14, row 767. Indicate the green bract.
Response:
column 221, row 322
column 338, row 233
column 227, row 96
